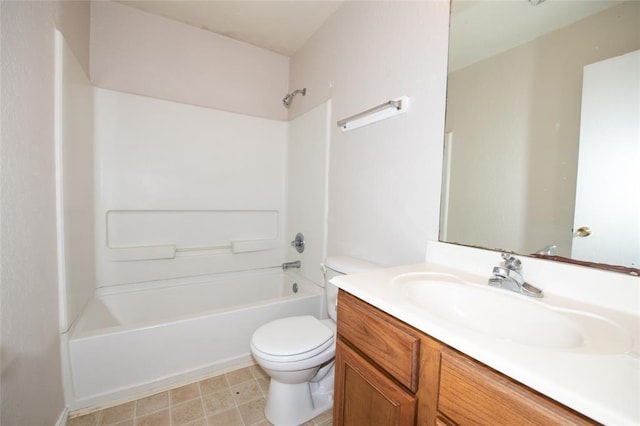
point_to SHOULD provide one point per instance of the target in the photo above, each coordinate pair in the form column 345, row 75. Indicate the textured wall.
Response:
column 384, row 179
column 137, row 52
column 31, row 386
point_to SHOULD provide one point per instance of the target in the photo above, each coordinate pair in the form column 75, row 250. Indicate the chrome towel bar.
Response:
column 388, row 109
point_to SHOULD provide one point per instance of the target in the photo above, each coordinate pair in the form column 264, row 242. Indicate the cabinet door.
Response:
column 366, row 396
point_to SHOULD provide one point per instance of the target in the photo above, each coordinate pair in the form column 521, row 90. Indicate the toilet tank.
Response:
column 342, row 265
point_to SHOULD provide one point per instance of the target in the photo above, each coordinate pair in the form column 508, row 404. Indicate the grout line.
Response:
column 204, row 409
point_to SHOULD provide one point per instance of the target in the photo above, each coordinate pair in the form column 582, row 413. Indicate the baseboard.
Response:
column 62, row 419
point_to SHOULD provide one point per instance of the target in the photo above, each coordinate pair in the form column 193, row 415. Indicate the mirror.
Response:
column 513, row 128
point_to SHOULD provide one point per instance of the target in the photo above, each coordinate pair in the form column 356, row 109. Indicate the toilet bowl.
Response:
column 298, row 354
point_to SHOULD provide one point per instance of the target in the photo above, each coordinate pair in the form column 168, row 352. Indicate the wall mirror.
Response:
column 517, row 168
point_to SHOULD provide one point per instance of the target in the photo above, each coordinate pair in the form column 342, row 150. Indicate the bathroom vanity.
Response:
column 388, row 372
column 428, row 344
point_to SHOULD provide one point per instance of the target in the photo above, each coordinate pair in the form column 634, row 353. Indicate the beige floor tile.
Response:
column 252, row 412
column 213, row 384
column 258, row 372
column 264, row 385
column 152, row 403
column 118, row 414
column 246, row 392
column 129, row 422
column 159, row 418
column 226, row 418
column 225, row 400
column 86, row 420
column 218, row 401
column 327, row 423
column 239, row 376
column 327, row 415
column 184, row 393
column 186, row 412
column 199, row 422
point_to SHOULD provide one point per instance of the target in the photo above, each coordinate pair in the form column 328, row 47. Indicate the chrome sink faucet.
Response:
column 510, row 277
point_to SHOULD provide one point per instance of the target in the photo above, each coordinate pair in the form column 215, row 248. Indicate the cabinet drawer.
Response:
column 471, row 393
column 382, row 338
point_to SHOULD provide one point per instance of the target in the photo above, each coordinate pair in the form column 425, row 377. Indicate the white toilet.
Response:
column 298, row 353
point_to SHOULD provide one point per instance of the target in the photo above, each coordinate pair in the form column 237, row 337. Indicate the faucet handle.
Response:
column 511, row 262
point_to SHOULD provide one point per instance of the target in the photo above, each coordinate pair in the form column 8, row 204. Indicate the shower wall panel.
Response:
column 184, row 190
column 307, row 176
column 75, row 189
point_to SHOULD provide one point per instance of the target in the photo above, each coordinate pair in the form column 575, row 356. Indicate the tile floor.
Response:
column 233, row 399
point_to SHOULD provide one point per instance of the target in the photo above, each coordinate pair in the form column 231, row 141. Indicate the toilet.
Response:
column 298, row 354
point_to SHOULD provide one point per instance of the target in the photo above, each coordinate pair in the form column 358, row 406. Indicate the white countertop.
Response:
column 604, row 387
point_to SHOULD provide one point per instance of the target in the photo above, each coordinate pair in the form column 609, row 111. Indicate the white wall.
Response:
column 187, row 177
column 74, row 164
column 306, row 189
column 31, row 384
column 137, row 52
column 384, row 186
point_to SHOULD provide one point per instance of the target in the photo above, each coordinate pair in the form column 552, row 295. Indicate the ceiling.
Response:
column 279, row 26
column 482, row 28
column 479, row 28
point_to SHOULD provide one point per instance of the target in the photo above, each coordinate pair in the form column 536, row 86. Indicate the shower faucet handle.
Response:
column 298, row 242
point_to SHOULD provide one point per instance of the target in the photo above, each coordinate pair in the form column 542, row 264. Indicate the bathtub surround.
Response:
column 197, row 195
column 177, row 185
column 307, row 172
column 75, row 187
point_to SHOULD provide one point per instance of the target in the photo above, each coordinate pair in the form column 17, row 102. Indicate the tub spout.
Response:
column 287, row 265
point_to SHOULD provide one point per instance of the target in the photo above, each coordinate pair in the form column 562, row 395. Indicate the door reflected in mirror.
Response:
column 513, row 129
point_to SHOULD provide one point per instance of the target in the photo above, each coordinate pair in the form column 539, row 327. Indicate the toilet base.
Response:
column 294, row 404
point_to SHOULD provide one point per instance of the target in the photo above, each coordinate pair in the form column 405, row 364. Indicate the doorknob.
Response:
column 298, row 243
column 583, row 231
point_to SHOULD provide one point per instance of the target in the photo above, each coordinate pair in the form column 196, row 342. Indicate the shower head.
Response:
column 286, row 101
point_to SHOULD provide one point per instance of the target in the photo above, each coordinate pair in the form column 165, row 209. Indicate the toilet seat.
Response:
column 291, row 339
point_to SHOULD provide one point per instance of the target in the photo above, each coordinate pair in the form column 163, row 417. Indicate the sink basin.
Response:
column 511, row 316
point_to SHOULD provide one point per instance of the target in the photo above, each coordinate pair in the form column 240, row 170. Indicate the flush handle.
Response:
column 298, row 243
column 583, row 231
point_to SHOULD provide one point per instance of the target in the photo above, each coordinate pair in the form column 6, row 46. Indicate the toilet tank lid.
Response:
column 349, row 265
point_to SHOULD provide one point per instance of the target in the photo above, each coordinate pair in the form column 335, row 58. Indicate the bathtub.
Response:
column 128, row 343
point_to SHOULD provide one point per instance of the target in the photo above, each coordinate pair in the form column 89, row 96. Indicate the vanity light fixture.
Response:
column 536, row 2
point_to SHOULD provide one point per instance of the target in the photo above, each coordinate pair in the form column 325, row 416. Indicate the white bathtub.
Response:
column 132, row 342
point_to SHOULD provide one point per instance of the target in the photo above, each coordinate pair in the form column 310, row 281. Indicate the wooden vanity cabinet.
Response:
column 389, row 373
